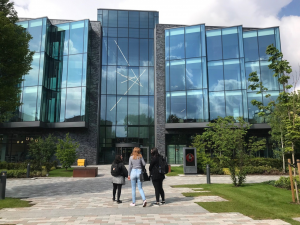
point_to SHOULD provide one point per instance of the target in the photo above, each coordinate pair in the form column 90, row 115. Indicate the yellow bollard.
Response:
column 291, row 179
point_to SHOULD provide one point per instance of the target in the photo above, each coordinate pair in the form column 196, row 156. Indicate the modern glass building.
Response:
column 126, row 80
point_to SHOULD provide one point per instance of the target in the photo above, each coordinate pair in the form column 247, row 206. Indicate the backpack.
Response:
column 163, row 167
column 115, row 170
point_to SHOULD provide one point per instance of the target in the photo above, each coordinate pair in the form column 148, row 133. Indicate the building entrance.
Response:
column 125, row 149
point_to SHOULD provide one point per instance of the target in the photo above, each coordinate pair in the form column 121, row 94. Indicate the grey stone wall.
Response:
column 86, row 137
column 160, row 91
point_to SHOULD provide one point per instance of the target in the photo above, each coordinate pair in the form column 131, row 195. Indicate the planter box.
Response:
column 85, row 172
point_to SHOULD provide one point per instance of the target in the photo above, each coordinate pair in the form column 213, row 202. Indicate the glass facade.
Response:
column 127, row 80
column 55, row 90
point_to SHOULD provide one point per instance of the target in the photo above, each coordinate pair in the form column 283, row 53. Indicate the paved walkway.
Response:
column 89, row 201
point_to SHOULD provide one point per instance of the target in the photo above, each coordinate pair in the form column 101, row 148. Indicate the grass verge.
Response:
column 175, row 170
column 13, row 203
column 258, row 201
column 61, row 172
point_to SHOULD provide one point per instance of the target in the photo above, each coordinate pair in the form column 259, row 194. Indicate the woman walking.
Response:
column 119, row 172
column 136, row 162
column 157, row 177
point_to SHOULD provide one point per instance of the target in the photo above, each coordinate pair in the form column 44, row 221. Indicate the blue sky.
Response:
column 292, row 9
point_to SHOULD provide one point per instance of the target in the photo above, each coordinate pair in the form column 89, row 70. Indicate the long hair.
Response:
column 154, row 152
column 136, row 153
column 118, row 159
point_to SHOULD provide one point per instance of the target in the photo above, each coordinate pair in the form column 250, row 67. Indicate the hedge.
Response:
column 23, row 173
column 23, row 165
column 284, row 182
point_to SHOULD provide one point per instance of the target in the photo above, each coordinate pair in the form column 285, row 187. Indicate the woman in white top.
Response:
column 136, row 162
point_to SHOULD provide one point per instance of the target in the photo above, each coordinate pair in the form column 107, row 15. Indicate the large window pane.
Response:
column 122, row 110
column 143, row 33
column 133, row 132
column 103, row 79
column 265, row 38
column 143, row 80
column 177, row 43
column 151, row 81
column 122, row 51
column 232, row 74
column 122, row 18
column 112, row 32
column 253, row 110
column 267, row 78
column 134, row 19
column 143, row 19
column 230, row 43
column 29, row 104
column 144, row 110
column 134, row 81
column 167, row 75
column 178, row 107
column 76, row 37
column 143, row 52
column 133, row 110
column 215, row 76
column 167, row 44
column 62, row 105
column 216, row 105
column 177, row 75
column 73, row 104
column 151, row 52
column 168, row 107
column 104, row 51
column 133, row 52
column 234, row 104
column 103, row 110
column 192, row 42
column 195, row 106
column 84, row 70
column 112, row 18
column 112, row 52
column 193, row 74
column 111, row 80
column 250, row 46
column 74, row 70
column 121, row 131
column 151, row 110
column 83, row 98
column 214, row 45
column 122, row 80
column 251, row 67
column 35, row 30
column 134, row 33
column 123, row 32
column 31, row 79
column 111, row 109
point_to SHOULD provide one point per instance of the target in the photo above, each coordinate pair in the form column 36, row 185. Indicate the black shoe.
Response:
column 113, row 199
column 119, row 201
column 163, row 202
column 156, row 204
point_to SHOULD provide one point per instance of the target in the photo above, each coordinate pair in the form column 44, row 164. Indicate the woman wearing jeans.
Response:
column 136, row 162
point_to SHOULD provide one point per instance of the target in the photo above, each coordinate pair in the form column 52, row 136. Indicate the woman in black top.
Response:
column 157, row 177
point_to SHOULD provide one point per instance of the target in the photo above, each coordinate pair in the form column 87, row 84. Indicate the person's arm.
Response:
column 152, row 164
column 129, row 168
column 143, row 161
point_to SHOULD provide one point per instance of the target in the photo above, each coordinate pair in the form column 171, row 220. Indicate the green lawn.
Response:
column 13, row 203
column 61, row 172
column 175, row 170
column 258, row 201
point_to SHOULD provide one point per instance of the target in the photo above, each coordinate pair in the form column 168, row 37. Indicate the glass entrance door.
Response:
column 126, row 152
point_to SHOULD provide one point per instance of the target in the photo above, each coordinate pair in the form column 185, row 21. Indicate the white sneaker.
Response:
column 144, row 203
column 132, row 204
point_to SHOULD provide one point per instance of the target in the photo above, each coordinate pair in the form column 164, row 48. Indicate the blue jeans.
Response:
column 135, row 178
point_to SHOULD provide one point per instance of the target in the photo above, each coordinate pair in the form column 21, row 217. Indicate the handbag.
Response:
column 144, row 176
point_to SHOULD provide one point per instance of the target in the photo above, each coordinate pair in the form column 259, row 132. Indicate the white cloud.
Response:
column 249, row 13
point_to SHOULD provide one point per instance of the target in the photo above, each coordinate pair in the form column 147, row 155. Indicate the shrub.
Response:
column 16, row 173
column 266, row 162
column 284, row 182
column 262, row 170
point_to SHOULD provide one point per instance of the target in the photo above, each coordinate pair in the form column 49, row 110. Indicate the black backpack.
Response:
column 163, row 167
column 115, row 170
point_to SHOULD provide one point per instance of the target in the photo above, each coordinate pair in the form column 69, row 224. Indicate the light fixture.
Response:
column 31, row 139
column 21, row 142
column 36, row 140
column 17, row 142
column 27, row 138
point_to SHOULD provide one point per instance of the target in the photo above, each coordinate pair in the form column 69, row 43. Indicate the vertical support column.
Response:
column 291, row 179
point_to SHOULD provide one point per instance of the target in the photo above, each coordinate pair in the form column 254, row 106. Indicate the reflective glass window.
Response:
column 277, row 38
column 195, row 106
column 32, row 78
column 143, row 110
column 214, row 45
column 103, row 110
column 151, row 52
column 168, row 107
column 234, row 104
column 84, row 69
column 103, row 79
column 216, row 105
column 110, row 132
column 151, row 20
column 151, row 81
column 151, row 110
column 133, row 132
column 112, row 51
column 177, row 43
column 177, row 75
column 29, row 103
column 112, row 32
column 143, row 33
column 41, row 72
column 134, row 19
column 143, row 81
column 105, row 18
column 122, row 32
column 104, row 51
column 83, row 97
column 265, row 38
column 267, row 78
column 230, row 43
column 44, row 34
column 112, row 18
column 232, row 74
column 76, row 37
column 121, row 110
column 192, row 42
column 178, row 106
column 167, row 76
column 167, row 44
column 151, row 33
column 144, row 132
column 122, row 80
column 134, row 81
column 121, row 131
column 111, row 104
column 193, row 74
column 143, row 19
column 62, row 105
column 250, row 46
column 253, row 110
column 133, row 110
column 35, row 30
column 215, row 76
column 73, row 104
column 74, row 70
column 65, row 28
column 122, row 18
column 64, row 72
column 111, row 80
column 24, row 24
column 144, row 52
column 134, row 33
column 122, row 49
column 133, row 52
column 86, row 33
column 251, row 67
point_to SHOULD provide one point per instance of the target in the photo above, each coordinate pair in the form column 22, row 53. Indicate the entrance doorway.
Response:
column 125, row 149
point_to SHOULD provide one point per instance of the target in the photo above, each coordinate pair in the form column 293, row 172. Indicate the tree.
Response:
column 66, row 151
column 42, row 150
column 15, row 59
column 228, row 142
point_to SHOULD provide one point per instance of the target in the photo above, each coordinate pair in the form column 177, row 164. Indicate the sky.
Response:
column 249, row 13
